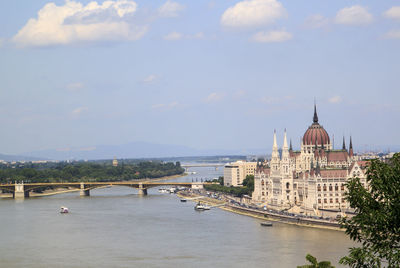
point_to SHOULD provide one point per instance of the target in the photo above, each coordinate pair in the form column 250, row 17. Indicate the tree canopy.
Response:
column 87, row 171
column 376, row 225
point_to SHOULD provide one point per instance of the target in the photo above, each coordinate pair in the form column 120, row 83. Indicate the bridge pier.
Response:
column 83, row 191
column 19, row 192
column 141, row 190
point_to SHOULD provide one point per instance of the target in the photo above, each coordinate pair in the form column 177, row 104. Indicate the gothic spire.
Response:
column 285, row 140
column 344, row 145
column 351, row 153
column 275, row 145
column 315, row 119
column 290, row 146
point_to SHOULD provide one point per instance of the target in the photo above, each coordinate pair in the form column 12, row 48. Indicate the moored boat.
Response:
column 266, row 223
column 199, row 206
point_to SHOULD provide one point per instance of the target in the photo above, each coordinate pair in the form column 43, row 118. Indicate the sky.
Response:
column 204, row 74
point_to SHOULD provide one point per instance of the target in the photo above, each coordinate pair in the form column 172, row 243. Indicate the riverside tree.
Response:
column 376, row 225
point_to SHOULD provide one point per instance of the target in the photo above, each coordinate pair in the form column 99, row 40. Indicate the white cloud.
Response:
column 214, row 97
column 272, row 36
column 78, row 111
column 173, row 36
column 354, row 15
column 73, row 22
column 393, row 13
column 178, row 36
column 165, row 105
column 316, row 21
column 149, row 79
column 253, row 13
column 335, row 99
column 199, row 35
column 170, row 9
column 394, row 34
column 75, row 86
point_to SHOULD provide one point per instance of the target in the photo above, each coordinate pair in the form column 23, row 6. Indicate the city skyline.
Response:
column 208, row 74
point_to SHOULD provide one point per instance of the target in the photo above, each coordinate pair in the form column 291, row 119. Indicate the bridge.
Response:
column 203, row 165
column 22, row 190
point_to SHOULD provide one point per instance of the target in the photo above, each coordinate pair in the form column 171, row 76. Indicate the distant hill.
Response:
column 131, row 150
column 10, row 158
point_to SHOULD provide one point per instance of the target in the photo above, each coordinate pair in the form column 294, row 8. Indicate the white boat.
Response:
column 64, row 210
column 162, row 190
column 172, row 190
column 201, row 207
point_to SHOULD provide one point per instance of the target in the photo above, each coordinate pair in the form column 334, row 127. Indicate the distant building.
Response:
column 312, row 177
column 115, row 162
column 236, row 172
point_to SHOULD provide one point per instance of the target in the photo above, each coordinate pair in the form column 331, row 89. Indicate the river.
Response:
column 115, row 227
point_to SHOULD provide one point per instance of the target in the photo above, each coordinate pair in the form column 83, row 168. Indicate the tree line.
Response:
column 86, row 171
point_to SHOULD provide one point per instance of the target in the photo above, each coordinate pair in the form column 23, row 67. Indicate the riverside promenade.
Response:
column 272, row 215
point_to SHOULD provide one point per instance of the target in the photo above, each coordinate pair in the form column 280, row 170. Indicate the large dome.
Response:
column 316, row 134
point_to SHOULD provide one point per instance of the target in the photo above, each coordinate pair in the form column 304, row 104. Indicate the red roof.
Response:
column 335, row 156
column 316, row 135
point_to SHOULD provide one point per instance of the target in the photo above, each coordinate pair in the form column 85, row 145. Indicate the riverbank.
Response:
column 261, row 214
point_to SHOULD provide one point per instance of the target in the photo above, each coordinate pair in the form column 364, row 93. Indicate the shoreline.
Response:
column 224, row 205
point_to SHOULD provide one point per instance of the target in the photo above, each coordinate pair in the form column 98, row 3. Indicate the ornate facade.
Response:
column 312, row 177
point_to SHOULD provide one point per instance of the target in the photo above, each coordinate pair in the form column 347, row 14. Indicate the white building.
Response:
column 313, row 177
column 235, row 173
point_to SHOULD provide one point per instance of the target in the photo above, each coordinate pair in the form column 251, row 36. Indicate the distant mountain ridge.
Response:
column 130, row 150
column 138, row 150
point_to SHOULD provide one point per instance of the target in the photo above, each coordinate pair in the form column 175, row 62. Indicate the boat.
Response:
column 199, row 206
column 163, row 190
column 172, row 190
column 266, row 223
column 64, row 210
column 183, row 200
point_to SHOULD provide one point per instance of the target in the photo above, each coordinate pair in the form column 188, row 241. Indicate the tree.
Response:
column 376, row 224
column 315, row 263
column 248, row 182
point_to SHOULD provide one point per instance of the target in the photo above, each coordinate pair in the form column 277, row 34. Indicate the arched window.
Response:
column 342, row 187
column 330, row 187
column 319, row 201
column 325, row 201
column 319, row 188
column 336, row 187
column 324, row 187
column 262, row 182
column 287, row 185
column 331, row 200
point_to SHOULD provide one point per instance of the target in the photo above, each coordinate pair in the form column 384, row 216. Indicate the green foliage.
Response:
column 246, row 189
column 249, row 182
column 315, row 264
column 86, row 171
column 377, row 222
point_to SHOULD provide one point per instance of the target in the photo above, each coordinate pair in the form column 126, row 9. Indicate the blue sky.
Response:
column 205, row 74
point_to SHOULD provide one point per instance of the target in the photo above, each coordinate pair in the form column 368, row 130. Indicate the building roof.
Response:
column 316, row 134
column 335, row 156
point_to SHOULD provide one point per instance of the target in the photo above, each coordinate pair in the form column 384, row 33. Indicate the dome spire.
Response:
column 315, row 119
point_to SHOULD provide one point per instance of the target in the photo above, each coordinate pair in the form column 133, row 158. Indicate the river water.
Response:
column 115, row 227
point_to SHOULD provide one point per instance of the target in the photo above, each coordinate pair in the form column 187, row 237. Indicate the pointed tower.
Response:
column 275, row 159
column 344, row 144
column 285, row 156
column 351, row 153
column 290, row 146
column 315, row 118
